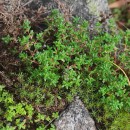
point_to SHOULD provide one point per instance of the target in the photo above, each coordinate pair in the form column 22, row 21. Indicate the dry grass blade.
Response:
column 119, row 3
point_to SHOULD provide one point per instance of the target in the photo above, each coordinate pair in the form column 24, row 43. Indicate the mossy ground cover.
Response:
column 52, row 66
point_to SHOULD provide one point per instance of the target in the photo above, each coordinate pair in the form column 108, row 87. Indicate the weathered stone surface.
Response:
column 91, row 10
column 75, row 117
column 86, row 9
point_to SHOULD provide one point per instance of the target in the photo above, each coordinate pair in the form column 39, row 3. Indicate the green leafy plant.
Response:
column 7, row 39
column 61, row 62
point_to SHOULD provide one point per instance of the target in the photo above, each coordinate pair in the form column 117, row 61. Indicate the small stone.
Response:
column 75, row 117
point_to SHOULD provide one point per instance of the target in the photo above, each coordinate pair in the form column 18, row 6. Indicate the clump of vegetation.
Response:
column 59, row 63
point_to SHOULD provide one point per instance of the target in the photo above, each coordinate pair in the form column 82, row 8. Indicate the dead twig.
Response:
column 7, row 80
column 119, row 3
column 29, row 2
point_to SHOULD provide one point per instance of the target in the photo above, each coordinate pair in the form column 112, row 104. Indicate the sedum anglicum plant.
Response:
column 61, row 62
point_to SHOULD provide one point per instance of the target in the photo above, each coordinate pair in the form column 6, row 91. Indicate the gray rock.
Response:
column 86, row 9
column 75, row 117
column 91, row 10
